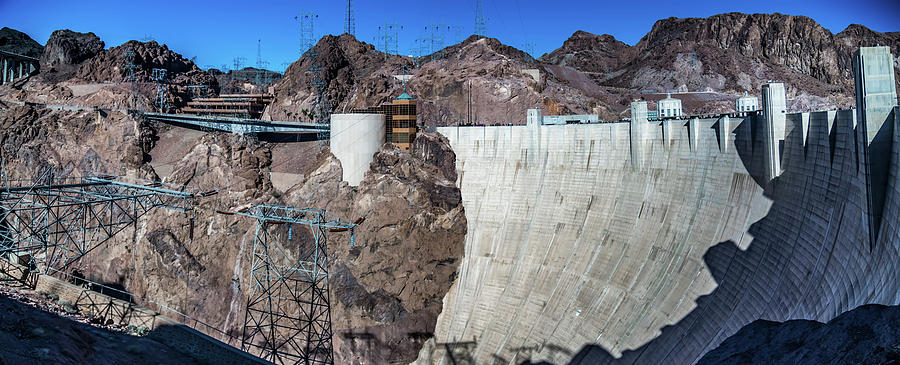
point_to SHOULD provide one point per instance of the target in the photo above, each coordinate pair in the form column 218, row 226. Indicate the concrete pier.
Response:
column 637, row 132
column 16, row 66
column 774, row 110
column 876, row 98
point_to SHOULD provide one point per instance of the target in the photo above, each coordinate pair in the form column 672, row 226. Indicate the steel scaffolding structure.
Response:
column 288, row 316
column 52, row 222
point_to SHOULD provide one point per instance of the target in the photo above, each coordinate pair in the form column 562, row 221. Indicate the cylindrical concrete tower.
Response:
column 354, row 140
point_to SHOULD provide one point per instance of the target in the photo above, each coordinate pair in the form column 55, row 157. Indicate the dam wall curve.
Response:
column 653, row 242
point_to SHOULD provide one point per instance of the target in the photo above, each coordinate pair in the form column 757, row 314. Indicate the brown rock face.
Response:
column 109, row 66
column 14, row 41
column 353, row 72
column 586, row 52
column 738, row 52
column 490, row 72
column 65, row 50
column 388, row 288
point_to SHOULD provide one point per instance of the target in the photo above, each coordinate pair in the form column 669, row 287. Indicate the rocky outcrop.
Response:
column 109, row 66
column 72, row 143
column 590, row 53
column 14, row 41
column 65, row 50
column 490, row 72
column 355, row 74
column 869, row 334
column 728, row 53
column 388, row 288
column 739, row 52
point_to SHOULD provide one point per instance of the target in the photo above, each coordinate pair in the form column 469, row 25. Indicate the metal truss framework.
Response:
column 288, row 317
column 53, row 222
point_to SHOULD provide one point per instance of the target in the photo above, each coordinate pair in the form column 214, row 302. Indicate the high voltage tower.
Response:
column 162, row 94
column 389, row 38
column 288, row 317
column 480, row 23
column 350, row 21
column 307, row 32
column 434, row 40
column 259, row 61
column 321, row 110
column 49, row 223
column 528, row 47
column 52, row 221
column 131, row 76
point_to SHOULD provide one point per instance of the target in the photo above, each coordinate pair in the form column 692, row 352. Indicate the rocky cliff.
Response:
column 729, row 53
column 387, row 288
column 14, row 41
column 491, row 73
column 65, row 51
column 593, row 54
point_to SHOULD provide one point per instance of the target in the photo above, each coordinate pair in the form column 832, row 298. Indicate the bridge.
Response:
column 16, row 66
column 240, row 126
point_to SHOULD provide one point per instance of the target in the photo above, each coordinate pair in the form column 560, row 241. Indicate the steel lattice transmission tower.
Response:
column 307, row 31
column 321, row 110
column 131, row 75
column 480, row 23
column 350, row 21
column 162, row 95
column 55, row 221
column 435, row 40
column 288, row 317
column 389, row 37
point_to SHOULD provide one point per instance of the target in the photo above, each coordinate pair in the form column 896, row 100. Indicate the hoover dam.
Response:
column 653, row 241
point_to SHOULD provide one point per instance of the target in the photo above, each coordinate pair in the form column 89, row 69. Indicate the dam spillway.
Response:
column 585, row 248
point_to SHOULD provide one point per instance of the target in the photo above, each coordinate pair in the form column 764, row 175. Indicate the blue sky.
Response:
column 218, row 31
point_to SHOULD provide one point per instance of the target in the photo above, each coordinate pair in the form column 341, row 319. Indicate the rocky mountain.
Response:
column 65, row 51
column 729, row 53
column 14, row 41
column 357, row 75
column 591, row 54
column 354, row 74
column 869, row 334
column 109, row 65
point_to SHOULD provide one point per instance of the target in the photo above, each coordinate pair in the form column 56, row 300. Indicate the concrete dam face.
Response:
column 652, row 242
